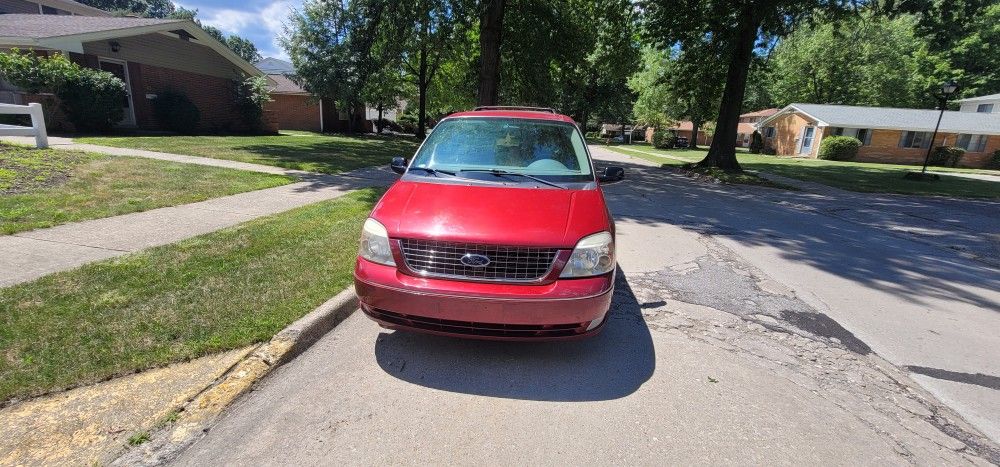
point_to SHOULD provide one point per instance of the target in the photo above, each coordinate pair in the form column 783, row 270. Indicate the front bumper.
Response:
column 568, row 308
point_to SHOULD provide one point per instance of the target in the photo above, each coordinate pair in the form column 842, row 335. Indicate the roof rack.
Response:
column 514, row 107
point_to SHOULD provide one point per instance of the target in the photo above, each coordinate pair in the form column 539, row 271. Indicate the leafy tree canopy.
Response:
column 869, row 60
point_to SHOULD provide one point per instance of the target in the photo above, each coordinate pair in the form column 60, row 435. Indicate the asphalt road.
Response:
column 749, row 326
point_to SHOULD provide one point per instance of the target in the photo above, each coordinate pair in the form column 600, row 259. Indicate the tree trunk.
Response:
column 422, row 85
column 722, row 152
column 490, row 36
column 380, row 123
column 695, row 126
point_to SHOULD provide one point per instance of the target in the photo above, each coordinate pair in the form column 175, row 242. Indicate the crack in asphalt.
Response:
column 804, row 346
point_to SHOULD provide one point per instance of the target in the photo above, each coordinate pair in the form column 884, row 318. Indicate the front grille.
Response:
column 507, row 263
column 475, row 328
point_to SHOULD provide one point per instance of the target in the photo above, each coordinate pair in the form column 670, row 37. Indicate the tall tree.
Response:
column 243, row 47
column 322, row 40
column 145, row 8
column 735, row 26
column 864, row 60
column 490, row 39
column 963, row 38
column 653, row 93
column 431, row 28
column 673, row 86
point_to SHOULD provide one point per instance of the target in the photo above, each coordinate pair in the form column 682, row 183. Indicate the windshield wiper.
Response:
column 499, row 173
column 434, row 172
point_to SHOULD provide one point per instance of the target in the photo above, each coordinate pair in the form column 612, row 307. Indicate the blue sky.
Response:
column 258, row 20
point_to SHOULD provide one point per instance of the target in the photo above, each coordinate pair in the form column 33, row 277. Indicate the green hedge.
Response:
column 994, row 162
column 663, row 139
column 176, row 112
column 250, row 95
column 839, row 148
column 946, row 156
column 91, row 99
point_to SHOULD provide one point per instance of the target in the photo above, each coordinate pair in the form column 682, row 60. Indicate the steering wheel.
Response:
column 547, row 164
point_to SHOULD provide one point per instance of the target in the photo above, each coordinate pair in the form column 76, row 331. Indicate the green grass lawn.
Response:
column 745, row 178
column 46, row 187
column 313, row 152
column 211, row 293
column 854, row 176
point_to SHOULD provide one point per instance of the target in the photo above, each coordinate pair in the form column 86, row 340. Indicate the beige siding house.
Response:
column 889, row 135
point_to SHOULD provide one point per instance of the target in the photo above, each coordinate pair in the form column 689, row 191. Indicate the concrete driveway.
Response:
column 749, row 326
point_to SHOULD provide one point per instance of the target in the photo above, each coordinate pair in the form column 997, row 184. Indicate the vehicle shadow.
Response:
column 611, row 365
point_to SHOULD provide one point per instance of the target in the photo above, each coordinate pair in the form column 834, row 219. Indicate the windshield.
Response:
column 550, row 150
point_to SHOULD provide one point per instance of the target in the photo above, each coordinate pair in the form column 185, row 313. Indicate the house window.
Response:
column 915, row 139
column 985, row 108
column 862, row 134
column 769, row 132
column 972, row 143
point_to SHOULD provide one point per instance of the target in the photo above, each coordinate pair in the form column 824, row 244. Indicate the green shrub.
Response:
column 839, row 148
column 659, row 139
column 946, row 156
column 91, row 99
column 756, row 143
column 176, row 112
column 994, row 162
column 408, row 122
column 251, row 95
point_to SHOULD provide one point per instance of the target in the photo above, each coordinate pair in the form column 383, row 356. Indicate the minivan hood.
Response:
column 494, row 215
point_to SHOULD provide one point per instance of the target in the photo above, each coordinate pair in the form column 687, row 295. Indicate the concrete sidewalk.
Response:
column 56, row 142
column 29, row 255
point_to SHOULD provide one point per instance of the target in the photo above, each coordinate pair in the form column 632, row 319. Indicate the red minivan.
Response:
column 497, row 229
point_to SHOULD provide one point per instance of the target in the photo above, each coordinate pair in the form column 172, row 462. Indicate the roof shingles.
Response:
column 50, row 26
column 900, row 119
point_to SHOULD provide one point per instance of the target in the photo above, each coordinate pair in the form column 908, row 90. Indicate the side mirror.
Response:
column 611, row 174
column 398, row 165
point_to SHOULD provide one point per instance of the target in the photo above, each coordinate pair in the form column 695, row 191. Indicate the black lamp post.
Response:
column 947, row 89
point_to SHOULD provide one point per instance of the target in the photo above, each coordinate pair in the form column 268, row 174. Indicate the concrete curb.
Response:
column 197, row 416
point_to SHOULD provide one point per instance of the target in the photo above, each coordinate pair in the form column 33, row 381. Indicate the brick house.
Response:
column 292, row 107
column 745, row 128
column 149, row 55
column 684, row 128
column 889, row 135
column 983, row 104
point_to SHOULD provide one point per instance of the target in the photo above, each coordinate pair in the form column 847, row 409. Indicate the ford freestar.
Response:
column 497, row 229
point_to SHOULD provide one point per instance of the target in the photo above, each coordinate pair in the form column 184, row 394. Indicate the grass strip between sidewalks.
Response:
column 211, row 293
column 299, row 150
column 46, row 187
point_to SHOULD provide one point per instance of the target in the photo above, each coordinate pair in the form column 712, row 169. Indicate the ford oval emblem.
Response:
column 475, row 261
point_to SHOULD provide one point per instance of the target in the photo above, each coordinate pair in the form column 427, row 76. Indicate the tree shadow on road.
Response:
column 611, row 365
column 856, row 239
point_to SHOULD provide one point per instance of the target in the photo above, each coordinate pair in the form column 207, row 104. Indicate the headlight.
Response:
column 375, row 243
column 593, row 256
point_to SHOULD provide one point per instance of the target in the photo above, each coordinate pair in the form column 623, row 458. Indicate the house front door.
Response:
column 808, row 136
column 119, row 69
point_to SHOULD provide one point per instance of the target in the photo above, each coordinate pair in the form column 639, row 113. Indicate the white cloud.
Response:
column 230, row 21
column 274, row 18
column 261, row 22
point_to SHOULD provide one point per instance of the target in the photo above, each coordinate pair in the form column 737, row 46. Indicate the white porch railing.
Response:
column 37, row 128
